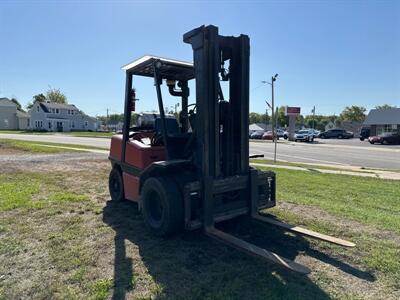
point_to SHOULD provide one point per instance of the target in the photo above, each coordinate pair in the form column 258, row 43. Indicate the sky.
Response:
column 328, row 54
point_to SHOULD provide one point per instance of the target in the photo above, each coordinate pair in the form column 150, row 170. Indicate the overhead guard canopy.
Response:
column 171, row 69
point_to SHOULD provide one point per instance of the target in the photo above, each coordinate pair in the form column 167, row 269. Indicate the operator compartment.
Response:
column 139, row 152
column 141, row 155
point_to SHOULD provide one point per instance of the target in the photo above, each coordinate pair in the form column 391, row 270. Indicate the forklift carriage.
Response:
column 194, row 172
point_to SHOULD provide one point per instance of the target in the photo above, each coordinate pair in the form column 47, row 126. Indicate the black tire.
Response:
column 162, row 206
column 116, row 185
column 371, row 142
column 322, row 136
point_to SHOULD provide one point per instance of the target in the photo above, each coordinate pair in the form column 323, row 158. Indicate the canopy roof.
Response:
column 170, row 68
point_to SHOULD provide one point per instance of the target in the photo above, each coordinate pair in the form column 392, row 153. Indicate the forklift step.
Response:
column 255, row 250
column 304, row 231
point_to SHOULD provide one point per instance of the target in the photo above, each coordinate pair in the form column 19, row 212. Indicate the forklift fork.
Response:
column 255, row 250
column 244, row 246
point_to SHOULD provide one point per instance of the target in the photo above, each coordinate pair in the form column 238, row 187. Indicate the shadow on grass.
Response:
column 193, row 266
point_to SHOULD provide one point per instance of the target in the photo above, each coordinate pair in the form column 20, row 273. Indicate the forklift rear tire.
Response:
column 162, row 206
column 116, row 185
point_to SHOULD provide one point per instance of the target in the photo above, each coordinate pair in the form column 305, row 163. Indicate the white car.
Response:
column 304, row 136
column 314, row 132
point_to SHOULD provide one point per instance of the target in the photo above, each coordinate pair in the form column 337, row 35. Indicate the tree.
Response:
column 56, row 96
column 258, row 118
column 36, row 98
column 385, row 106
column 281, row 118
column 39, row 98
column 19, row 106
column 353, row 114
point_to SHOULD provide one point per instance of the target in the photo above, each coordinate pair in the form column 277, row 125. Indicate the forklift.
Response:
column 192, row 171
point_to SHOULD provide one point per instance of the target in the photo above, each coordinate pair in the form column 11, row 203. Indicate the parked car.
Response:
column 315, row 132
column 386, row 138
column 304, row 136
column 282, row 133
column 257, row 135
column 336, row 133
column 365, row 133
column 268, row 135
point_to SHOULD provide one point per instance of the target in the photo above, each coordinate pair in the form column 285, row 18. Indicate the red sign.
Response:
column 291, row 110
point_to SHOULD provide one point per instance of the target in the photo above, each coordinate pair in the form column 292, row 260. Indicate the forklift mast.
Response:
column 221, row 124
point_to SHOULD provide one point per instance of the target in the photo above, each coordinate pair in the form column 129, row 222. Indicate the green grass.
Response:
column 71, row 133
column 367, row 200
column 306, row 166
column 41, row 147
column 101, row 288
column 89, row 134
column 376, row 254
column 31, row 190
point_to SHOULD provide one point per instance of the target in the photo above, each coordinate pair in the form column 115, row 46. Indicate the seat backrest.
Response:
column 171, row 123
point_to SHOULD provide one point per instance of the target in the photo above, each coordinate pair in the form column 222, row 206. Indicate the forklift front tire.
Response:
column 116, row 185
column 162, row 206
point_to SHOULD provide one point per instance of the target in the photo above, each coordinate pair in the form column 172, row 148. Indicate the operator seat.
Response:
column 177, row 141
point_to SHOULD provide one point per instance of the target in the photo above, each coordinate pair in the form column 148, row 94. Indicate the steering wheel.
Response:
column 194, row 109
column 157, row 139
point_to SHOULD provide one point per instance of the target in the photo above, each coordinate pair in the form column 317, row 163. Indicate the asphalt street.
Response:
column 331, row 152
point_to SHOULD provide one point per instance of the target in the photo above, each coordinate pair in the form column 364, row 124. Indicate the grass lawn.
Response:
column 61, row 237
column 39, row 147
column 71, row 133
column 294, row 164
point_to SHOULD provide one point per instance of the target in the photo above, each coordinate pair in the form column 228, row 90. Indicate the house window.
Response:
column 53, row 110
column 27, row 122
column 49, row 125
column 72, row 112
column 57, row 111
column 73, row 124
column 37, row 109
column 381, row 129
column 86, row 123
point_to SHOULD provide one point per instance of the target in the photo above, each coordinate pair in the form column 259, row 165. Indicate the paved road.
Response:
column 333, row 152
column 386, row 157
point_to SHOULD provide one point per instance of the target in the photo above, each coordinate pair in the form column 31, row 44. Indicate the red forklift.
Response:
column 193, row 171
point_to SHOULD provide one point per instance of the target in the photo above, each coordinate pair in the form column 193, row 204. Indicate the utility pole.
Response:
column 274, row 116
column 313, row 118
column 107, row 121
column 274, row 122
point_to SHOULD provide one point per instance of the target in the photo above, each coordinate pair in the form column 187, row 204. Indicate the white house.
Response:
column 49, row 116
column 11, row 117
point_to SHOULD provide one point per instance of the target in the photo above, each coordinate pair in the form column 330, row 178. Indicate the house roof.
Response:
column 58, row 105
column 383, row 116
column 7, row 102
column 257, row 126
column 22, row 114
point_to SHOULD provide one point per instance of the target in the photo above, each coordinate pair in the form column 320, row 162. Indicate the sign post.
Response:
column 292, row 112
